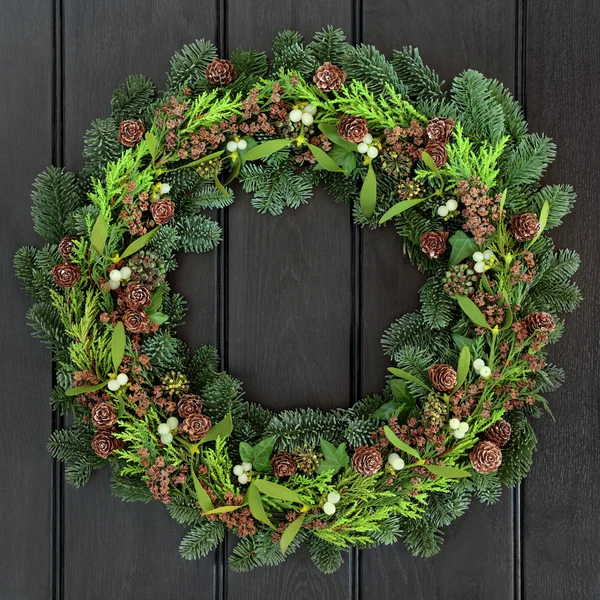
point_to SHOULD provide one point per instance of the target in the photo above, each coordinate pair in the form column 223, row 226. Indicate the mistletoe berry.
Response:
column 329, row 508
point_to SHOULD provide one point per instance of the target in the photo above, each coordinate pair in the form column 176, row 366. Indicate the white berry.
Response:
column 231, row 146
column 485, row 372
column 488, row 254
column 113, row 385
column 126, row 271
column 242, row 145
column 333, row 497
column 114, row 284
column 459, row 435
column 368, row 138
column 172, row 422
column 477, row 256
column 310, row 109
column 295, row 115
column 247, row 466
column 451, row 205
column 122, row 379
column 243, row 479
column 307, row 119
column 477, row 364
column 372, row 152
column 362, row 147
column 443, row 211
column 166, row 439
column 163, row 429
column 115, row 275
column 454, row 423
column 392, row 457
column 237, row 470
column 329, row 508
column 165, row 188
column 398, row 464
column 464, row 427
column 479, row 267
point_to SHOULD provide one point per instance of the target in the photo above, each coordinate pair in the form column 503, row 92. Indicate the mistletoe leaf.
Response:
column 139, row 243
column 222, row 429
column 266, row 149
column 99, row 234
column 428, row 161
column 223, row 509
column 399, row 208
column 152, row 145
column 448, row 472
column 291, row 531
column 83, row 389
column 275, row 490
column 392, row 437
column 464, row 362
column 324, row 159
column 118, row 345
column 472, row 311
column 368, row 192
column 255, row 504
column 332, row 135
column 408, row 377
column 203, row 499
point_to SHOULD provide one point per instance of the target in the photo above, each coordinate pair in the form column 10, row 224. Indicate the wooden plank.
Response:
column 289, row 298
column 133, row 547
column 26, row 47
column 476, row 560
column 561, row 521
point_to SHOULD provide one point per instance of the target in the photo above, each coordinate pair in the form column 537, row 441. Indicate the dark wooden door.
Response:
column 296, row 304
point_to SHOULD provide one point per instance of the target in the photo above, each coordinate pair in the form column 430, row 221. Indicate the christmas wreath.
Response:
column 456, row 172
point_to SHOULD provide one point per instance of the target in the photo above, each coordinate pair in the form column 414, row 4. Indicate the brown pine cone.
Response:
column 443, row 377
column 438, row 153
column 66, row 274
column 366, row 460
column 104, row 415
column 66, row 245
column 486, row 457
column 540, row 321
column 137, row 296
column 188, row 405
column 498, row 433
column 196, row 426
column 131, row 133
column 162, row 211
column 352, row 128
column 104, row 443
column 434, row 243
column 220, row 72
column 136, row 321
column 439, row 129
column 283, row 464
column 329, row 78
column 524, row 227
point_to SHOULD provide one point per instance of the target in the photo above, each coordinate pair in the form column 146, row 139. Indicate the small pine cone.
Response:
column 283, row 464
column 196, row 426
column 66, row 275
column 162, row 211
column 220, row 72
column 498, row 433
column 443, row 377
column 540, row 321
column 136, row 321
column 188, row 405
column 434, row 243
column 131, row 133
column 367, row 460
column 104, row 415
column 104, row 443
column 439, row 129
column 352, row 128
column 66, row 245
column 438, row 153
column 137, row 296
column 329, row 78
column 486, row 457
column 524, row 227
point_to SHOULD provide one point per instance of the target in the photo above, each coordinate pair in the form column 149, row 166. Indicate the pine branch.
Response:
column 132, row 98
column 202, row 539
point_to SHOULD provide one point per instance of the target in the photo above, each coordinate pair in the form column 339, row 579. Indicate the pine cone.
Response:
column 137, row 296
column 104, row 443
column 352, row 129
column 329, row 78
column 136, row 321
column 540, row 321
column 438, row 153
column 524, row 227
column 498, row 433
column 434, row 243
column 104, row 415
column 196, row 426
column 486, row 457
column 174, row 383
column 366, row 460
column 283, row 464
column 66, row 274
column 439, row 129
column 131, row 133
column 162, row 211
column 66, row 245
column 443, row 377
column 188, row 405
column 220, row 72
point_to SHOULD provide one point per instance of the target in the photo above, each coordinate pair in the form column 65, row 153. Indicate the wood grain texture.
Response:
column 560, row 519
column 26, row 494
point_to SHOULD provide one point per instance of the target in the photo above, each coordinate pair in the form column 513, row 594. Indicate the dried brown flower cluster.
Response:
column 480, row 211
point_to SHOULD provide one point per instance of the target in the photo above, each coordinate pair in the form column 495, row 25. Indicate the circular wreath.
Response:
column 456, row 171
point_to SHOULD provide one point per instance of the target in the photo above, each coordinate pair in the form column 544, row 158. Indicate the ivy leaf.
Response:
column 275, row 490
column 461, row 341
column 464, row 362
column 76, row 391
column 118, row 345
column 332, row 135
column 266, row 149
column 255, row 504
column 222, row 429
column 246, row 452
column 449, row 472
column 399, row 208
column 408, row 377
column 403, row 403
column 428, row 161
column 139, row 243
column 472, row 311
column 156, row 303
column 463, row 246
column 345, row 158
column 335, row 458
column 99, row 234
column 324, row 159
column 262, row 454
column 368, row 192
column 390, row 435
column 291, row 531
column 152, row 144
column 203, row 499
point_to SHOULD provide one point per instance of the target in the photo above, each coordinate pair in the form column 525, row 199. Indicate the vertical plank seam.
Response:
column 57, row 421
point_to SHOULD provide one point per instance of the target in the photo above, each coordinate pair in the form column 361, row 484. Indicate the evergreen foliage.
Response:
column 131, row 99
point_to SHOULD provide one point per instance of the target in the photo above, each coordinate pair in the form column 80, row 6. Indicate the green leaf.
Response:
column 399, row 208
column 157, row 298
column 262, row 453
column 159, row 317
column 139, row 243
column 118, row 345
column 266, row 149
column 255, row 504
column 275, row 490
column 291, row 531
column 195, row 163
column 472, row 311
column 222, row 429
column 390, row 435
column 324, row 159
column 203, row 499
column 76, row 391
column 486, row 284
column 385, row 411
column 461, row 341
column 332, row 134
column 428, row 161
column 99, row 234
column 508, row 321
column 246, row 452
column 368, row 192
column 463, row 247
column 403, row 403
column 404, row 375
column 543, row 218
column 223, row 509
column 464, row 362
column 334, row 458
column 345, row 158
column 449, row 472
column 152, row 143
column 220, row 186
